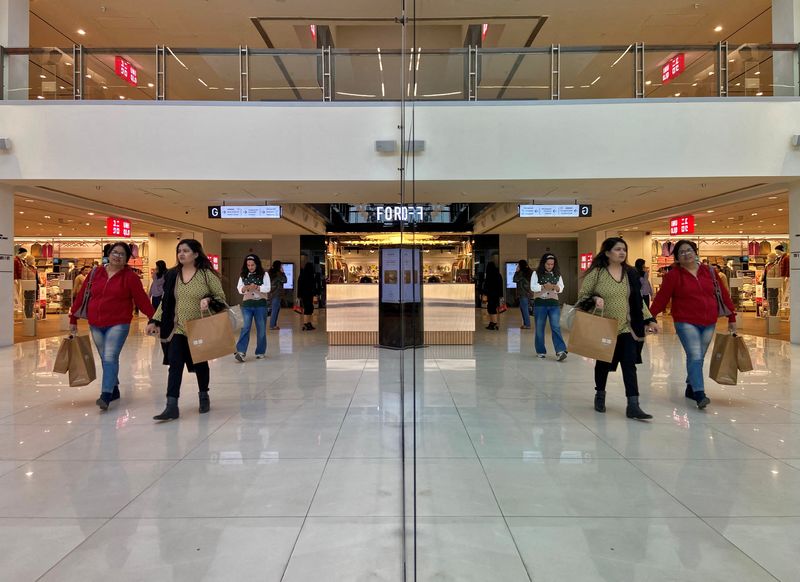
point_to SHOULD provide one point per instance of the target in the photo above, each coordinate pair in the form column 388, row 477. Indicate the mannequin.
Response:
column 783, row 270
column 19, row 270
column 771, row 294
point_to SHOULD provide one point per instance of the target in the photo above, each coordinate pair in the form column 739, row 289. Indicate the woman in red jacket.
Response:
column 694, row 290
column 113, row 291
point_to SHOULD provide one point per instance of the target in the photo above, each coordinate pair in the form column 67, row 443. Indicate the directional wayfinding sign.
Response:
column 555, row 210
column 244, row 211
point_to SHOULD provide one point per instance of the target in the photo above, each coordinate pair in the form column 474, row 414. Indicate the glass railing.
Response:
column 471, row 73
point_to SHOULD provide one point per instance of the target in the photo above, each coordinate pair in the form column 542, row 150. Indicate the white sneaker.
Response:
column 561, row 356
column 239, row 356
column 260, row 356
column 542, row 356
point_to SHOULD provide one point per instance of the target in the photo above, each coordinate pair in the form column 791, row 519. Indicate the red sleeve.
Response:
column 726, row 297
column 140, row 298
column 76, row 302
column 664, row 295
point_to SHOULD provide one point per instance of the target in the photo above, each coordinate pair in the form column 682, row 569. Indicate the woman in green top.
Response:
column 188, row 289
column 615, row 288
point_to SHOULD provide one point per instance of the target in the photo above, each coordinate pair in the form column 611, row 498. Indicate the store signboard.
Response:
column 555, row 210
column 214, row 261
column 244, row 211
column 126, row 71
column 389, row 213
column 681, row 225
column 118, row 227
column 586, row 261
column 673, row 68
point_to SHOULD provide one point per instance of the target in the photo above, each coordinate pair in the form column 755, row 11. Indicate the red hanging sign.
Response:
column 672, row 68
column 586, row 261
column 214, row 261
column 681, row 225
column 118, row 227
column 126, row 71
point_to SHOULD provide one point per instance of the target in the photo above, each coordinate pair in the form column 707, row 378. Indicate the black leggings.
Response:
column 178, row 356
column 626, row 354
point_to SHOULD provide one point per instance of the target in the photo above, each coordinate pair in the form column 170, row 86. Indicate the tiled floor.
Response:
column 299, row 474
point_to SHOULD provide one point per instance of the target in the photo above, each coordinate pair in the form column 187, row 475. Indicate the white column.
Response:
column 589, row 241
column 794, row 251
column 6, row 265
column 785, row 30
column 14, row 32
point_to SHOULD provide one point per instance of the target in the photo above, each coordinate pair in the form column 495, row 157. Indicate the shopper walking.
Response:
column 644, row 279
column 522, row 279
column 114, row 290
column 254, row 285
column 493, row 290
column 189, row 288
column 694, row 291
column 614, row 287
column 277, row 279
column 307, row 289
column 81, row 277
column 546, row 284
column 157, row 285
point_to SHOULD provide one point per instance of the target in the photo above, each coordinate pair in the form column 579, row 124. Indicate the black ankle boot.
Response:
column 689, row 391
column 633, row 410
column 600, row 400
column 702, row 399
column 205, row 402
column 115, row 393
column 171, row 412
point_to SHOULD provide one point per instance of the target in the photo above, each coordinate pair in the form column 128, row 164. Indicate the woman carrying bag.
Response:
column 547, row 283
column 698, row 301
column 493, row 290
column 254, row 284
column 614, row 287
column 189, row 288
column 109, row 294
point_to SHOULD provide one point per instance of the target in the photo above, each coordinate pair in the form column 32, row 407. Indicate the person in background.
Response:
column 188, row 290
column 277, row 280
column 254, row 285
column 644, row 279
column 493, row 290
column 81, row 277
column 546, row 284
column 157, row 284
column 614, row 286
column 522, row 279
column 723, row 278
column 115, row 289
column 307, row 289
column 692, row 290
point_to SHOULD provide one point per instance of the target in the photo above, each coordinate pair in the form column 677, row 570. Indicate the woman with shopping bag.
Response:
column 698, row 301
column 614, row 288
column 254, row 285
column 189, row 288
column 107, row 298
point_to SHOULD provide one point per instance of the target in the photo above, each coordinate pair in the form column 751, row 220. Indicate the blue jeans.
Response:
column 695, row 340
column 525, row 309
column 259, row 314
column 109, row 342
column 276, row 308
column 541, row 313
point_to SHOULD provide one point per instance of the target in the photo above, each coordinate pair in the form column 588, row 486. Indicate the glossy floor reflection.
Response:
column 297, row 472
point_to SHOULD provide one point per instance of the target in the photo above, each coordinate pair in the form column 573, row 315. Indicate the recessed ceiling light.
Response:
column 81, row 31
column 694, row 84
column 90, row 213
column 28, row 200
column 713, row 222
column 758, row 72
column 780, row 209
column 648, row 82
column 42, row 76
column 718, row 28
column 88, row 76
column 731, row 60
column 47, row 216
column 754, row 214
column 677, row 94
column 773, row 197
column 150, row 85
column 774, row 224
column 21, row 212
column 40, row 96
column 710, row 211
column 741, row 231
column 710, row 73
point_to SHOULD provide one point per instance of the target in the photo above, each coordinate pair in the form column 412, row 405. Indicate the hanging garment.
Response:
column 754, row 248
column 36, row 250
column 666, row 248
column 134, row 250
column 656, row 248
column 765, row 247
column 47, row 251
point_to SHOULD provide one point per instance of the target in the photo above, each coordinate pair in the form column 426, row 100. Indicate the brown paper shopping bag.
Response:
column 61, row 365
column 593, row 336
column 743, row 360
column 81, row 361
column 724, row 369
column 210, row 337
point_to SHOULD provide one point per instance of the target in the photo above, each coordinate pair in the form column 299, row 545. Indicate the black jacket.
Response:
column 493, row 285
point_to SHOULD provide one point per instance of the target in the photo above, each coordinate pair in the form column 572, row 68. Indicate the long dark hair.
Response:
column 275, row 269
column 639, row 266
column 202, row 261
column 541, row 269
column 161, row 269
column 308, row 271
column 525, row 268
column 245, row 271
column 491, row 269
column 601, row 261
